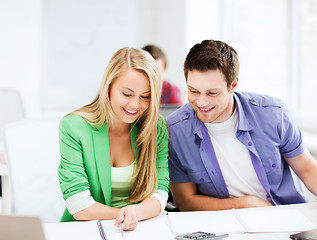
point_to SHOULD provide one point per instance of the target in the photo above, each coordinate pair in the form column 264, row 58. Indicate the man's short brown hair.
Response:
column 213, row 55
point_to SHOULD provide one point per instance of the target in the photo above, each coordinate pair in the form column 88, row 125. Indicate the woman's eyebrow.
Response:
column 128, row 89
column 133, row 91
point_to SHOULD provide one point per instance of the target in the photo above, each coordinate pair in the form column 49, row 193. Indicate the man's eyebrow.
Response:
column 191, row 87
column 212, row 89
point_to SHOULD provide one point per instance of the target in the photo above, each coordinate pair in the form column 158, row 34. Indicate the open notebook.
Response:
column 251, row 220
column 258, row 220
column 154, row 229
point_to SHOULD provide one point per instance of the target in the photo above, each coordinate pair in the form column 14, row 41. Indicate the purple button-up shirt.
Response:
column 265, row 128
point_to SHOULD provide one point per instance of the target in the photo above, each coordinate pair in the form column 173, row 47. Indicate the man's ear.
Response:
column 234, row 85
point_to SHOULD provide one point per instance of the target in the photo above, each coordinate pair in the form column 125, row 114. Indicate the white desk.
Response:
column 80, row 230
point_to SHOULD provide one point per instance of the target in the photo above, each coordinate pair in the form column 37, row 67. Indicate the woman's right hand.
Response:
column 128, row 217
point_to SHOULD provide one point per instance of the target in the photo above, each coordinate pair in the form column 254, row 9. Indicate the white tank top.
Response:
column 120, row 184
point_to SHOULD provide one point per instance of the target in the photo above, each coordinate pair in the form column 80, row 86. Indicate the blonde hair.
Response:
column 145, row 180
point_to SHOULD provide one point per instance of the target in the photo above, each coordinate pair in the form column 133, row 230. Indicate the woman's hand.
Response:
column 128, row 217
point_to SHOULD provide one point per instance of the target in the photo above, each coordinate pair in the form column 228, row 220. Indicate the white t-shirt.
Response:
column 234, row 159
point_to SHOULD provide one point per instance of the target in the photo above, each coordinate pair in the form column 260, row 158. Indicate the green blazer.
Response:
column 85, row 159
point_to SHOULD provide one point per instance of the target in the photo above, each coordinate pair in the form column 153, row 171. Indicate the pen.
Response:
column 121, row 230
column 169, row 224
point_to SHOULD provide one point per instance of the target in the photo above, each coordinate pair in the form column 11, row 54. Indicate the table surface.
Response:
column 58, row 230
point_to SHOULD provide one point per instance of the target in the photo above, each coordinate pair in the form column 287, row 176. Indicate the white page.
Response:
column 269, row 219
column 72, row 230
column 154, row 229
column 208, row 221
column 274, row 219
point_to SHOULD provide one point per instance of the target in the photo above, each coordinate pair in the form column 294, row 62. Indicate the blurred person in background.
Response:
column 171, row 94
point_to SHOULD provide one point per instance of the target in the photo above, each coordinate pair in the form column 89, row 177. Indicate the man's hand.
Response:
column 187, row 199
column 251, row 201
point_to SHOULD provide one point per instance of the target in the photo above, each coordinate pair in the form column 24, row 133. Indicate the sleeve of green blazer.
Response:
column 80, row 149
column 85, row 159
column 162, row 155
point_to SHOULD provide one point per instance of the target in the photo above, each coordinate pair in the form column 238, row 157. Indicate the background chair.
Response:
column 32, row 148
column 11, row 109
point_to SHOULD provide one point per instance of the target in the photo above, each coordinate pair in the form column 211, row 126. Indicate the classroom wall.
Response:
column 164, row 23
column 55, row 52
column 20, row 49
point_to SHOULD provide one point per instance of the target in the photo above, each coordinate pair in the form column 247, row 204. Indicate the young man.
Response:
column 233, row 149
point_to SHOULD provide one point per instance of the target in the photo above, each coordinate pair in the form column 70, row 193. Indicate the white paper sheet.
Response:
column 208, row 221
column 154, row 229
column 271, row 219
column 275, row 219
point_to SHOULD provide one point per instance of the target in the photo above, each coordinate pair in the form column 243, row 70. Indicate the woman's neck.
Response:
column 120, row 128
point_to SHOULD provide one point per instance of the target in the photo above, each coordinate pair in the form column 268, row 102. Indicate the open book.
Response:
column 252, row 220
column 255, row 220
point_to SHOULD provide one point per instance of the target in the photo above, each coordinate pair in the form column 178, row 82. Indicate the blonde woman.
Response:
column 114, row 150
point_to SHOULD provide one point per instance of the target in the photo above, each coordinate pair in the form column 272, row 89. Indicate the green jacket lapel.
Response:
column 102, row 156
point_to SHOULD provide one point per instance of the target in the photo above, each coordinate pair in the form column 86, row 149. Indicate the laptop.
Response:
column 21, row 227
column 166, row 110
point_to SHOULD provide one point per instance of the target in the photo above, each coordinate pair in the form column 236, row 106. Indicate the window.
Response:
column 308, row 65
column 276, row 42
